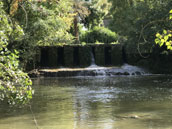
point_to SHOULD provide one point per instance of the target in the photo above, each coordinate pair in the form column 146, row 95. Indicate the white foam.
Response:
column 125, row 69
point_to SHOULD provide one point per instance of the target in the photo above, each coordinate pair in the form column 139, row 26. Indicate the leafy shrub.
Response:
column 15, row 85
column 99, row 34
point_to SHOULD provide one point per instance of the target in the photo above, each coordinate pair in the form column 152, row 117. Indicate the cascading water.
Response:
column 133, row 70
column 93, row 69
column 93, row 64
column 126, row 69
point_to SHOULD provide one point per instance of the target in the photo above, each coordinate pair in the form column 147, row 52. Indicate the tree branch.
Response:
column 26, row 15
column 142, row 36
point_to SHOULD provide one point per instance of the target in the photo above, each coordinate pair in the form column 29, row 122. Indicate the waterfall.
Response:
column 133, row 70
column 92, row 59
column 93, row 64
column 126, row 69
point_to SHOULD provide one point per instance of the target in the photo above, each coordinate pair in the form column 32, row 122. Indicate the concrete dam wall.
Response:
column 80, row 56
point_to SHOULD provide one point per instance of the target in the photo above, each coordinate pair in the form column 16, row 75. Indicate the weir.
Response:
column 92, row 54
column 80, row 56
column 94, row 71
column 90, row 60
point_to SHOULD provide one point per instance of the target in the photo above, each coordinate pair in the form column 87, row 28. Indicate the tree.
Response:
column 15, row 85
column 99, row 9
column 137, row 21
column 81, row 11
column 45, row 22
column 166, row 37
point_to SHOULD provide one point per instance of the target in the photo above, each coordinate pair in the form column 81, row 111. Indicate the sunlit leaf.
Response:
column 158, row 35
column 170, row 11
column 164, row 31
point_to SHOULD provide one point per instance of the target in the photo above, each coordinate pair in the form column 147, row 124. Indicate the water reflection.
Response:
column 139, row 102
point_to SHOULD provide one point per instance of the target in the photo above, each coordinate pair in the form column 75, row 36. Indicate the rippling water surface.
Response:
column 121, row 102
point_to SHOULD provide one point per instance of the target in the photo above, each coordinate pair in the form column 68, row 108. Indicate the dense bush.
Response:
column 43, row 23
column 99, row 34
column 15, row 85
column 139, row 21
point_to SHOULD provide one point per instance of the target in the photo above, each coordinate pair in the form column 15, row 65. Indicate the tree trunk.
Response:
column 76, row 29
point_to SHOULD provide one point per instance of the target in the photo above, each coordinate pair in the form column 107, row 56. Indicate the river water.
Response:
column 119, row 102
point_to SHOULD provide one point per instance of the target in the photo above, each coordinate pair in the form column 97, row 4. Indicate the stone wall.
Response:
column 80, row 56
column 85, row 56
column 68, row 56
column 99, row 55
column 52, row 55
column 116, row 55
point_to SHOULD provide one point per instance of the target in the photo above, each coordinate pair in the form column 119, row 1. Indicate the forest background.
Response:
column 141, row 26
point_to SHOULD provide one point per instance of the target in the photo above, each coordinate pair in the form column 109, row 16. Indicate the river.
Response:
column 119, row 102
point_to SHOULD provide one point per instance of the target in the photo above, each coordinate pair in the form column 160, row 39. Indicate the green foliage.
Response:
column 99, row 9
column 137, row 21
column 15, row 85
column 99, row 34
column 44, row 23
column 166, row 37
column 81, row 11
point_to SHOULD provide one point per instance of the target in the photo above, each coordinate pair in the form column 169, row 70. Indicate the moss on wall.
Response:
column 38, row 57
column 68, row 56
column 85, row 56
column 80, row 56
column 133, row 58
column 44, row 57
column 116, row 55
column 60, row 56
column 99, row 55
column 52, row 55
